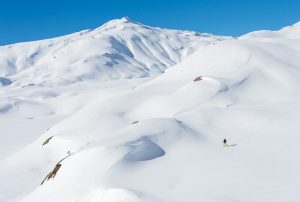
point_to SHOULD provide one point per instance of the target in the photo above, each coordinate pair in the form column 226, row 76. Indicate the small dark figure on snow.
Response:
column 225, row 143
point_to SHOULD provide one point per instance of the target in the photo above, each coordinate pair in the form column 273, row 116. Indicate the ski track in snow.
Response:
column 123, row 100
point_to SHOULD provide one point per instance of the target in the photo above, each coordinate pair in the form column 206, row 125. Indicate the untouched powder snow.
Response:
column 143, row 119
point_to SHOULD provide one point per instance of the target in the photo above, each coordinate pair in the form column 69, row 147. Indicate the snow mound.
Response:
column 143, row 150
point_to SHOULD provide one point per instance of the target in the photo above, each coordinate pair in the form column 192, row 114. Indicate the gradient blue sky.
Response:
column 26, row 20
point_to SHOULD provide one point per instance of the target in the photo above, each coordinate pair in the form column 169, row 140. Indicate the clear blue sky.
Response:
column 26, row 20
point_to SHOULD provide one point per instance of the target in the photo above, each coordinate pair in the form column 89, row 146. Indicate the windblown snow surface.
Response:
column 123, row 104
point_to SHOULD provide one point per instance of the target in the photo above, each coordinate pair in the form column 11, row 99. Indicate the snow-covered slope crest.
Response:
column 288, row 32
column 118, row 49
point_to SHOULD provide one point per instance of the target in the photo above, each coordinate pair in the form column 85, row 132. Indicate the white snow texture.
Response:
column 141, row 114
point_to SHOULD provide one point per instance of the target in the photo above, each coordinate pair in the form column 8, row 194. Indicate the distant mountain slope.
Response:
column 291, row 32
column 118, row 49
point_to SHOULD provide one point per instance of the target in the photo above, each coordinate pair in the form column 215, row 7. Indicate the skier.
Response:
column 225, row 143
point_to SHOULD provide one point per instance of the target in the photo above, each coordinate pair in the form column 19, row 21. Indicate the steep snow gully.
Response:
column 132, row 113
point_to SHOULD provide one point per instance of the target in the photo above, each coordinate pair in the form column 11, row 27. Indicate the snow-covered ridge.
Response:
column 118, row 49
column 288, row 32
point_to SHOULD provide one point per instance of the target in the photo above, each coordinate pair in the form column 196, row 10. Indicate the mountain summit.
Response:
column 119, row 49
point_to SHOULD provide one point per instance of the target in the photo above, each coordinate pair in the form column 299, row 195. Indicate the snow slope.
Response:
column 119, row 49
column 159, row 137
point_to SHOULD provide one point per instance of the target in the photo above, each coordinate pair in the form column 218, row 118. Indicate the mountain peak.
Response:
column 126, row 19
column 120, row 21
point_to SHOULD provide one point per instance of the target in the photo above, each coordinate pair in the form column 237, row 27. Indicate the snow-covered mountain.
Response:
column 143, row 119
column 118, row 49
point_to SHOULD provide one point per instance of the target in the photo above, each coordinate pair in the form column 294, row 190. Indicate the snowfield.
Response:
column 138, row 114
